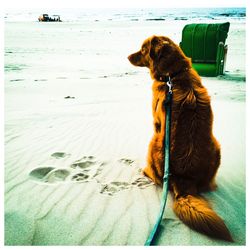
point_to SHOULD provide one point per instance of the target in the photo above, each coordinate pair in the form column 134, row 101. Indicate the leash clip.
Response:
column 170, row 86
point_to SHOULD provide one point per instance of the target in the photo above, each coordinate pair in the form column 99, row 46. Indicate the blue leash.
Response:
column 153, row 233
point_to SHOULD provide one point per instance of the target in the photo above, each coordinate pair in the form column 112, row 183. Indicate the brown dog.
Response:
column 194, row 151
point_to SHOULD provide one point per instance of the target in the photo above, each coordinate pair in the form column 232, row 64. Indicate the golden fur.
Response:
column 194, row 151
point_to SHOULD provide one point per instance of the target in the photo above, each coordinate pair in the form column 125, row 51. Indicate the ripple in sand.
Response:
column 40, row 80
column 62, row 77
column 14, row 67
column 17, row 80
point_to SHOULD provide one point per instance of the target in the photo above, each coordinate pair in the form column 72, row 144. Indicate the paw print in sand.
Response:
column 49, row 174
column 86, row 169
column 82, row 170
column 116, row 186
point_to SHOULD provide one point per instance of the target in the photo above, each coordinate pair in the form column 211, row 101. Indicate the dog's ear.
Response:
column 153, row 46
column 157, row 47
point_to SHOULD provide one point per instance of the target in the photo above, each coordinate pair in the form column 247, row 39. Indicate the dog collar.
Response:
column 166, row 78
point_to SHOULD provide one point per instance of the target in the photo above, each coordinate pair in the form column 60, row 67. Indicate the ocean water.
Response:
column 78, row 15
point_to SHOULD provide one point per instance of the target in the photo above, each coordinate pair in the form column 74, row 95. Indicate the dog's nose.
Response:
column 129, row 57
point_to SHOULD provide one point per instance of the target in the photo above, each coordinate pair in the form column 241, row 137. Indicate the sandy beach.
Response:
column 77, row 126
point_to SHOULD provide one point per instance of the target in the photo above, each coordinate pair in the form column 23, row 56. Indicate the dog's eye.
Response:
column 143, row 50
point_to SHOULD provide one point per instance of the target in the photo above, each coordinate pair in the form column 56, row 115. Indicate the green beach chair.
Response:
column 205, row 45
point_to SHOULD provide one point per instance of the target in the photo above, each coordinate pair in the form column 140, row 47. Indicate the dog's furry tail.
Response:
column 195, row 212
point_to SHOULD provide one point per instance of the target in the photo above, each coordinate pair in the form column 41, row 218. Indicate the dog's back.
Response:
column 194, row 151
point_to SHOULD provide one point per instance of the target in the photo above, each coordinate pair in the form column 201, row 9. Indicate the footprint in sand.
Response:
column 84, row 163
column 117, row 186
column 87, row 168
column 142, row 182
column 49, row 174
column 114, row 187
column 57, row 175
column 80, row 177
column 59, row 155
column 126, row 161
column 83, row 170
column 40, row 173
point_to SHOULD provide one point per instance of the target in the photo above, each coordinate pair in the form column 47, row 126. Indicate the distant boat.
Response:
column 47, row 18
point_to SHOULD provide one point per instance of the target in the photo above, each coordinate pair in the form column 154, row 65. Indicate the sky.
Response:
column 121, row 3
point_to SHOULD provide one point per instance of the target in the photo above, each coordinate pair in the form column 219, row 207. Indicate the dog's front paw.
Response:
column 150, row 174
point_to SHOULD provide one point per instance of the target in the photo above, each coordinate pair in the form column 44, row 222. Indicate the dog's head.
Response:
column 161, row 55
